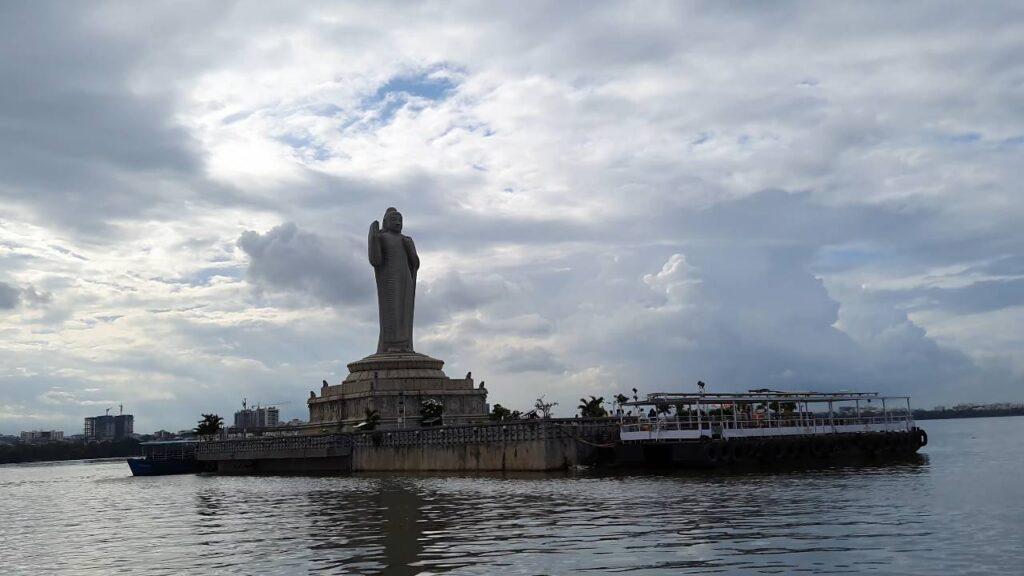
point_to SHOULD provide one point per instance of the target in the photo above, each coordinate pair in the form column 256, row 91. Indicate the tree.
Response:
column 620, row 400
column 787, row 407
column 430, row 412
column 210, row 425
column 499, row 413
column 542, row 408
column 592, row 408
column 370, row 421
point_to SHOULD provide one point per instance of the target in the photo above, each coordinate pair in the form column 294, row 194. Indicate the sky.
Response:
column 799, row 196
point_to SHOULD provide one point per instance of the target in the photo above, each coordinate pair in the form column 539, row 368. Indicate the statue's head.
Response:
column 392, row 220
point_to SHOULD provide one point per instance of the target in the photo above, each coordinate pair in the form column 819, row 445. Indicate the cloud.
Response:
column 9, row 296
column 286, row 258
column 779, row 195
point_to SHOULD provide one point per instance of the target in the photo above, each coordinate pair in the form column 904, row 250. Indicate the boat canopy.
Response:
column 758, row 397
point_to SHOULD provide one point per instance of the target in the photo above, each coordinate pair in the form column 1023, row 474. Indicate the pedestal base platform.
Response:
column 395, row 385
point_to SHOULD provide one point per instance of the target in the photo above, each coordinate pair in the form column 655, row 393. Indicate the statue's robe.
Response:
column 395, row 266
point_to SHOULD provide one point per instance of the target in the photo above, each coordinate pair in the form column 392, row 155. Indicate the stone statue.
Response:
column 394, row 260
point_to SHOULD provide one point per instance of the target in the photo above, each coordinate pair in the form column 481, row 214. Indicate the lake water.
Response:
column 957, row 509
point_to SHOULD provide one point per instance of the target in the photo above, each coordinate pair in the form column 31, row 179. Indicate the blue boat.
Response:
column 166, row 457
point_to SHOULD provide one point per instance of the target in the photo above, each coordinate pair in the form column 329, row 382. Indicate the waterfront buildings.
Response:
column 109, row 427
column 40, row 436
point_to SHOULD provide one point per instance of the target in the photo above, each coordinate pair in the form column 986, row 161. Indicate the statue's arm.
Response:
column 410, row 252
column 373, row 245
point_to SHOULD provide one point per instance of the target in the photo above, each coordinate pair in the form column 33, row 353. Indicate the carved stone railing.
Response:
column 324, row 445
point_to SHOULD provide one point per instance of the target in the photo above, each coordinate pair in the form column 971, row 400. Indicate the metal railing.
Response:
column 814, row 423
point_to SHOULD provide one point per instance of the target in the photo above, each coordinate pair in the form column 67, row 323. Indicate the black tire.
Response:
column 870, row 444
column 728, row 453
column 742, row 450
column 755, row 450
column 922, row 438
column 787, row 450
column 712, row 453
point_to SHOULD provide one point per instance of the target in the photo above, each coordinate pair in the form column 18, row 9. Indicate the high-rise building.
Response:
column 249, row 418
column 270, row 416
column 37, row 436
column 109, row 427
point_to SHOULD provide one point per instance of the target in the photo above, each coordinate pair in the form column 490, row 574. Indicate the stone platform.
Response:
column 395, row 385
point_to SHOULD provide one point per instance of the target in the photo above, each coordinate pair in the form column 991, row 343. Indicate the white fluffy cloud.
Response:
column 630, row 194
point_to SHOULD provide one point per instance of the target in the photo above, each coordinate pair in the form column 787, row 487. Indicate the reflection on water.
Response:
column 912, row 517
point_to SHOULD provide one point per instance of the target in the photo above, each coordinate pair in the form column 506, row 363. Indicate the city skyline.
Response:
column 633, row 196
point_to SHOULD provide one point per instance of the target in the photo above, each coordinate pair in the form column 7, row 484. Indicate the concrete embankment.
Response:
column 535, row 445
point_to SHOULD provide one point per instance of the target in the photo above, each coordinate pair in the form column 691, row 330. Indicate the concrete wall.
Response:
column 525, row 445
column 524, row 455
column 285, row 465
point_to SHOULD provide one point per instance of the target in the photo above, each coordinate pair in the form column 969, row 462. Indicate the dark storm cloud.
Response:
column 78, row 146
column 9, row 296
column 529, row 359
column 288, row 259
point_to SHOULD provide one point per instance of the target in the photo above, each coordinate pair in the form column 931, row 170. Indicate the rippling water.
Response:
column 957, row 509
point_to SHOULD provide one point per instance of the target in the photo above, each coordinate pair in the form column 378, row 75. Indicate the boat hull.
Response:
column 146, row 467
column 710, row 453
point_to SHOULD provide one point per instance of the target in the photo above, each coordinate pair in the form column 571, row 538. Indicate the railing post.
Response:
column 885, row 416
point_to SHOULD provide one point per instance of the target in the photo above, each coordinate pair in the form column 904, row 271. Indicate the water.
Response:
column 958, row 509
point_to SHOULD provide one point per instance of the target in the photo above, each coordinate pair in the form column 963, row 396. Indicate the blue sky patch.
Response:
column 399, row 90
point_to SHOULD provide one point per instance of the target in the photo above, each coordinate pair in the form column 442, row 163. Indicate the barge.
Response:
column 167, row 457
column 765, row 427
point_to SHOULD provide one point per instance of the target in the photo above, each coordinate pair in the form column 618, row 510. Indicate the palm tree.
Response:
column 210, row 425
column 592, row 408
column 431, row 411
column 370, row 421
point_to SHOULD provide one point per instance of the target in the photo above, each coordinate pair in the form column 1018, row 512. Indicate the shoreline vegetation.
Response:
column 941, row 413
column 59, row 451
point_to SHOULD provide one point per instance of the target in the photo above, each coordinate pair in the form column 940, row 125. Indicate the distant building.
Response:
column 250, row 418
column 39, row 436
column 109, row 427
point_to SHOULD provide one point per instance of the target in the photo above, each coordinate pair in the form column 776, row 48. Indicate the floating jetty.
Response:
column 766, row 427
